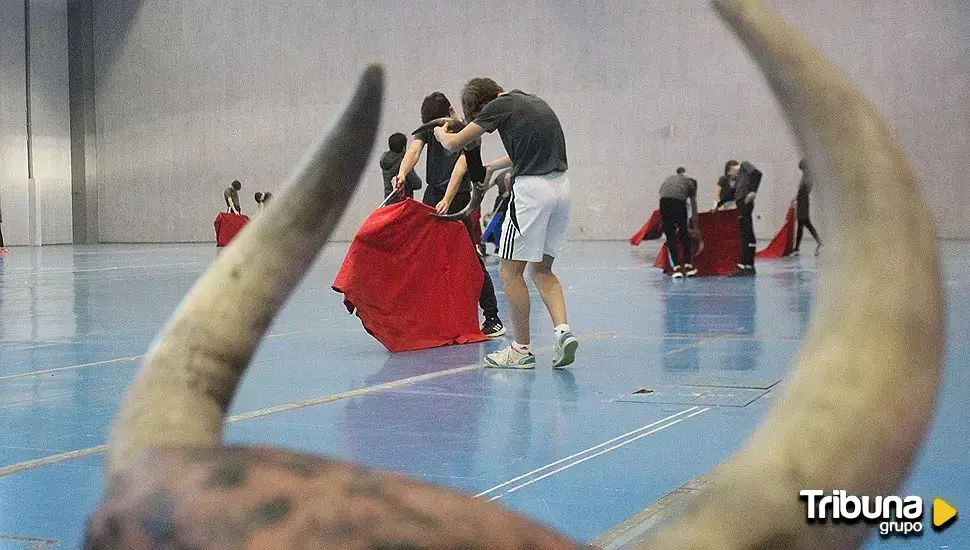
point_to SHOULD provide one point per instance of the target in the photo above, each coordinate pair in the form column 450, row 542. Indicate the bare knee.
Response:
column 541, row 270
column 511, row 270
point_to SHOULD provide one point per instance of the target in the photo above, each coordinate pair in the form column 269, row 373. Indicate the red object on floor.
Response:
column 413, row 280
column 228, row 226
column 722, row 245
column 784, row 242
column 651, row 230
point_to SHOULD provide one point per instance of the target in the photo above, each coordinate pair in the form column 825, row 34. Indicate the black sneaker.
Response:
column 690, row 270
column 493, row 328
column 743, row 272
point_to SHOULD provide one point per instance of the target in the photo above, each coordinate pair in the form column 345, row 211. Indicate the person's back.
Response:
column 390, row 163
column 231, row 196
column 531, row 132
column 679, row 187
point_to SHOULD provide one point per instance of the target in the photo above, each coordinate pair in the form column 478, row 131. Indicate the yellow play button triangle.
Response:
column 943, row 513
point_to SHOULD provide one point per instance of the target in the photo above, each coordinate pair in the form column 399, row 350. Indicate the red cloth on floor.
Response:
column 651, row 230
column 722, row 245
column 413, row 280
column 784, row 242
column 227, row 226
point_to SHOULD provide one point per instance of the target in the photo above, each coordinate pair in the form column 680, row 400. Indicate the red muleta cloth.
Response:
column 413, row 280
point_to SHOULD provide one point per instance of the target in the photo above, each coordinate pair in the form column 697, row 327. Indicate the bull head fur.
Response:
column 855, row 412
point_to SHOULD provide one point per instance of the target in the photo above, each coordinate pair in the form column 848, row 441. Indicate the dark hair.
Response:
column 236, row 185
column 681, row 170
column 397, row 142
column 730, row 164
column 477, row 94
column 436, row 105
column 258, row 197
column 803, row 165
column 266, row 197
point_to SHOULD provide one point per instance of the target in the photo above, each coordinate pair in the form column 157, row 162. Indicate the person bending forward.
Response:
column 537, row 225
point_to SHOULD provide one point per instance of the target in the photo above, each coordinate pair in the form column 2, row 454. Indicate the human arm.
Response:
column 454, row 142
column 457, row 175
column 410, row 160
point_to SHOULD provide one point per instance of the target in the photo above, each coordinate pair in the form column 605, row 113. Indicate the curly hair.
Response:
column 477, row 94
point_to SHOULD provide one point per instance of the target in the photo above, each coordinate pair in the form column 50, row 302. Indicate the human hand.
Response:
column 443, row 206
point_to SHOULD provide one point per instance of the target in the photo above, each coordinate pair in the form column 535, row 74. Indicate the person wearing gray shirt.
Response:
column 536, row 227
column 674, row 194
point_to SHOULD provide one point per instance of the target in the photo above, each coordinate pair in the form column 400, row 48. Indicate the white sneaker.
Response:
column 508, row 358
column 566, row 347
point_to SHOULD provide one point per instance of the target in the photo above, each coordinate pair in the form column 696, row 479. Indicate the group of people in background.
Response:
column 234, row 206
column 737, row 189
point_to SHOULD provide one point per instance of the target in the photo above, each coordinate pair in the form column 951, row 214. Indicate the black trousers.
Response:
column 802, row 225
column 673, row 212
column 486, row 300
column 749, row 243
column 1, row 234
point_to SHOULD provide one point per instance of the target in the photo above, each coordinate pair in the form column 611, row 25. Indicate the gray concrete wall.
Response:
column 49, row 123
column 192, row 95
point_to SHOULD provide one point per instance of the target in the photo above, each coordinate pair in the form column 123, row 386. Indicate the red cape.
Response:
column 413, row 280
column 227, row 226
column 784, row 242
column 651, row 230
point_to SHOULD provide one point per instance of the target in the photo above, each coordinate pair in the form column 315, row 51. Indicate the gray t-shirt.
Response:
column 530, row 131
column 678, row 187
column 231, row 192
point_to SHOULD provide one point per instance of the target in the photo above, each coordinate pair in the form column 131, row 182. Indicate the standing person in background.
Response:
column 3, row 249
column 390, row 165
column 749, row 180
column 674, row 194
column 231, row 194
column 258, row 197
column 802, row 209
column 726, row 185
column 266, row 197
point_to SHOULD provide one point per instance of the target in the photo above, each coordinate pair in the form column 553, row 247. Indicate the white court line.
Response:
column 603, row 452
column 122, row 359
column 574, row 455
column 80, row 453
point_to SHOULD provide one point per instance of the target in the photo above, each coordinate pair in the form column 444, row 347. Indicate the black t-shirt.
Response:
column 726, row 184
column 440, row 164
column 530, row 131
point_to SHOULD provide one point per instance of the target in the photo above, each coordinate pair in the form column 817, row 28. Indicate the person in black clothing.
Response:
column 674, row 194
column 749, row 179
column 390, row 165
column 448, row 192
column 802, row 208
column 727, row 183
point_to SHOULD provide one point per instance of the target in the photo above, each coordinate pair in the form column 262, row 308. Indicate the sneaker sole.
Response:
column 526, row 366
column 568, row 354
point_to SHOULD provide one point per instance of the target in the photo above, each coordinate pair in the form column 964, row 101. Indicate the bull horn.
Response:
column 861, row 398
column 456, row 124
column 184, row 387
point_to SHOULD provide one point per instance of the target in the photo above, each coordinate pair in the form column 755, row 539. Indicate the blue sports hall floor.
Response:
column 578, row 450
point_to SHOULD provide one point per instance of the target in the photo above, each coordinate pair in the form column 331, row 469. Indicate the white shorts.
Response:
column 537, row 223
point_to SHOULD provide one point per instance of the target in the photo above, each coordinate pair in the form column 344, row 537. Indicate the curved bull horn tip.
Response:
column 186, row 383
column 474, row 203
column 859, row 402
